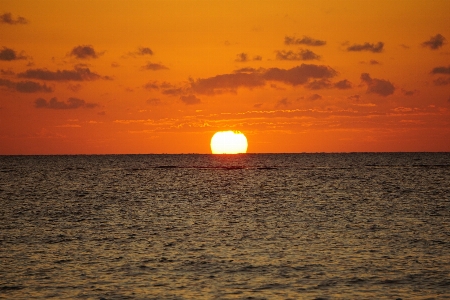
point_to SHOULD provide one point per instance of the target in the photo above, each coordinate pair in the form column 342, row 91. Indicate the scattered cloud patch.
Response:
column 435, row 42
column 229, row 83
column 144, row 51
column 115, row 65
column 354, row 97
column 314, row 97
column 318, row 84
column 190, row 99
column 25, row 86
column 72, row 103
column 9, row 54
column 6, row 72
column 306, row 40
column 378, row 86
column 283, row 103
column 302, row 54
column 343, row 84
column 154, row 101
column 441, row 81
column 84, row 52
column 375, row 48
column 77, row 74
column 441, row 70
column 409, row 93
column 7, row 18
column 241, row 57
column 374, row 62
column 154, row 67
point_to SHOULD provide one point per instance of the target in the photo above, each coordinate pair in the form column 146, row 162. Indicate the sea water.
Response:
column 251, row 226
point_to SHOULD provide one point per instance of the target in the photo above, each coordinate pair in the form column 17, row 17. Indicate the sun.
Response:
column 228, row 142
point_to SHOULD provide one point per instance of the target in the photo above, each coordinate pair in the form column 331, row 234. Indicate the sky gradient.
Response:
column 106, row 77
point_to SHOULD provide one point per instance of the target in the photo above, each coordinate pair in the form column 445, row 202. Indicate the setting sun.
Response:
column 228, row 142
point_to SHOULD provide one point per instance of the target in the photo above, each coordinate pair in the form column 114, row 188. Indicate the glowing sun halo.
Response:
column 228, row 142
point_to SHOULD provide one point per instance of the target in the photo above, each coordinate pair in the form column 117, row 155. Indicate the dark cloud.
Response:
column 343, row 84
column 299, row 74
column 283, row 103
column 441, row 70
column 9, row 54
column 84, row 52
column 241, row 57
column 314, row 97
column 6, row 72
column 257, row 57
column 190, row 100
column 25, row 86
column 374, row 62
column 375, row 48
column 378, row 86
column 301, row 55
column 252, row 78
column 154, row 67
column 318, row 84
column 144, row 51
column 409, row 93
column 78, row 74
column 290, row 40
column 435, row 42
column 441, row 81
column 72, row 103
column 7, row 18
column 354, row 97
column 154, row 102
column 226, row 83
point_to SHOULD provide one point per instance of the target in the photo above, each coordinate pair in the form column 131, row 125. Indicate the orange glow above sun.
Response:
column 228, row 142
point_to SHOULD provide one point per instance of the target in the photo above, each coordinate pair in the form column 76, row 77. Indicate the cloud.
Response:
column 241, row 57
column 375, row 48
column 25, row 86
column 301, row 55
column 84, row 52
column 299, row 74
column 441, row 81
column 78, row 74
column 435, row 42
column 190, row 100
column 7, row 18
column 144, row 51
column 354, row 97
column 6, row 72
column 72, row 103
column 441, row 70
column 374, row 62
column 409, row 93
column 318, row 84
column 290, row 40
column 154, row 102
column 252, row 78
column 154, row 67
column 9, row 54
column 314, row 97
column 226, row 83
column 378, row 86
column 283, row 103
column 343, row 84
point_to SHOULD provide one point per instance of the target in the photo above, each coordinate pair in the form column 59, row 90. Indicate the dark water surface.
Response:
column 254, row 226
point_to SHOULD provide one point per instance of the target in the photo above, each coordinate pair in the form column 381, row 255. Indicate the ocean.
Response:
column 249, row 226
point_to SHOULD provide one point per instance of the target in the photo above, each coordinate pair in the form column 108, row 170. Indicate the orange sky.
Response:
column 85, row 77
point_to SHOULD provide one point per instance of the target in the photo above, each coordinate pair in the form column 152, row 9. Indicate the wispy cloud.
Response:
column 435, row 42
column 441, row 70
column 9, row 54
column 378, row 86
column 25, row 86
column 72, row 103
column 306, row 40
column 375, row 48
column 7, row 18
